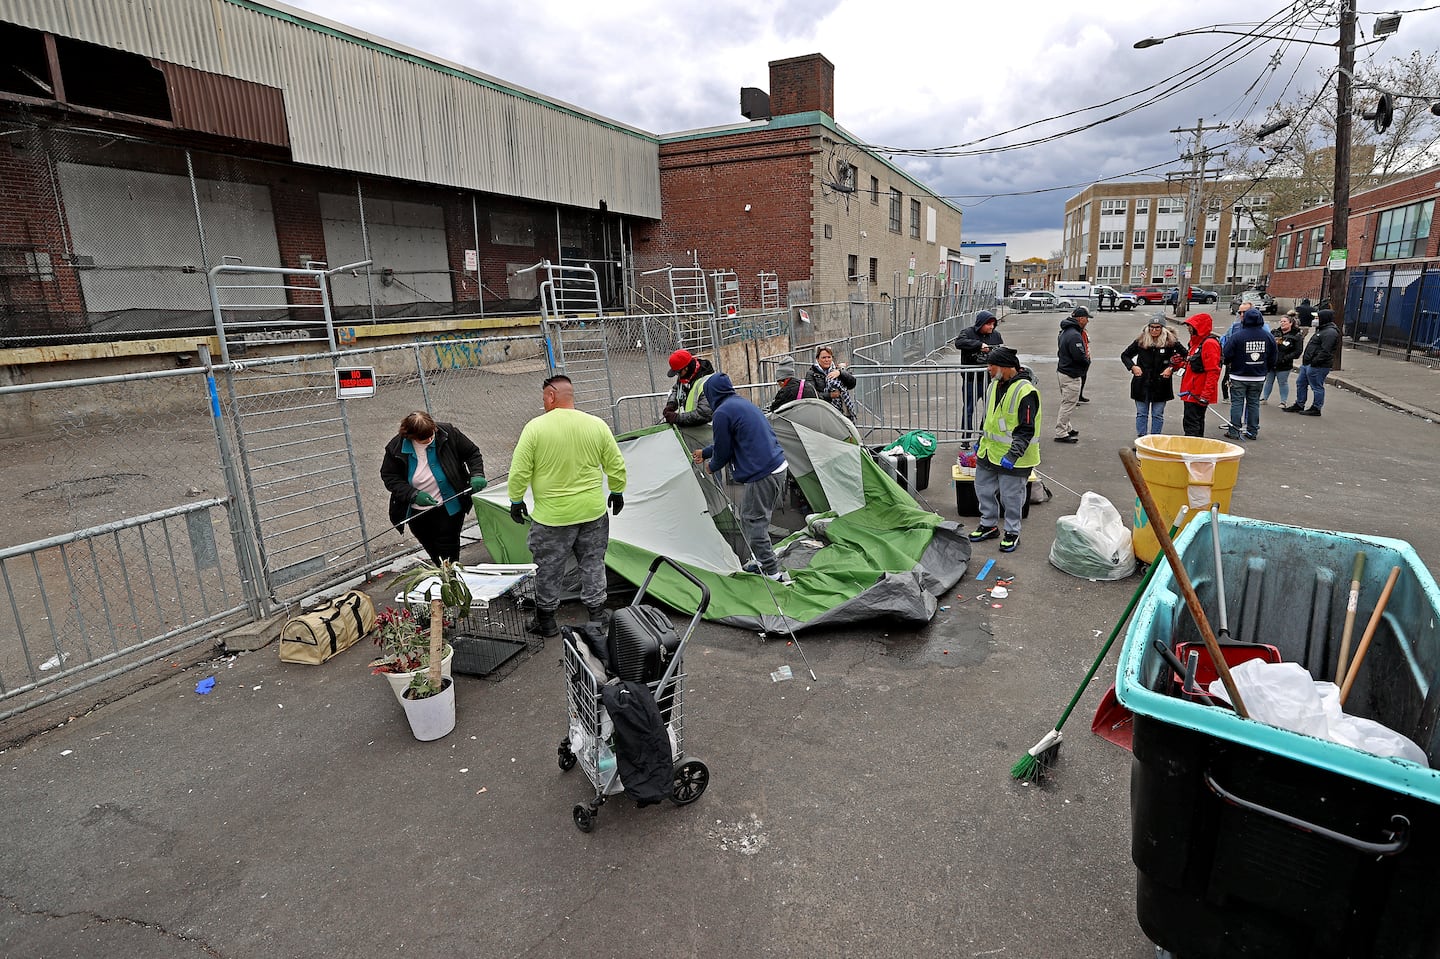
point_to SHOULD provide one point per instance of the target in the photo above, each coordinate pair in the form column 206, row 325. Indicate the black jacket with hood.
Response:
column 1320, row 351
column 1073, row 360
column 971, row 342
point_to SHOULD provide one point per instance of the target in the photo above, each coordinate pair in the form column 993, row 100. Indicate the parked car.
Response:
column 1197, row 295
column 1120, row 301
column 1038, row 300
column 1264, row 301
column 1148, row 294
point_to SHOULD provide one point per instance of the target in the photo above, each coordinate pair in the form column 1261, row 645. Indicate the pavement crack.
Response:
column 97, row 919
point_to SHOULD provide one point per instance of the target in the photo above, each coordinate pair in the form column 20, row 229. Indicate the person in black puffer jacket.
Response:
column 1289, row 341
column 974, row 342
column 1315, row 364
column 1152, row 359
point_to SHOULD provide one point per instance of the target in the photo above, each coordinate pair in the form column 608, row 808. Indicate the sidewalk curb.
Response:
column 1338, row 379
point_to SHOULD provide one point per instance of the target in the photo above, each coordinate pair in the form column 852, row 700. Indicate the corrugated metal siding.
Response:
column 225, row 106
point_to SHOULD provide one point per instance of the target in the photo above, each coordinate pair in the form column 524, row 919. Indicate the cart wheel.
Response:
column 565, row 756
column 584, row 818
column 691, row 778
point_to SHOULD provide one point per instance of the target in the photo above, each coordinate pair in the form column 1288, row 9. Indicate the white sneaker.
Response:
column 780, row 577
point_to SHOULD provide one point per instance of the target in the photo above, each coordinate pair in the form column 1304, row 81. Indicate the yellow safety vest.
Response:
column 997, row 431
column 692, row 398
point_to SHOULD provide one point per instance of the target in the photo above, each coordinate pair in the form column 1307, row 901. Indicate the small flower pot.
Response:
column 434, row 716
column 399, row 682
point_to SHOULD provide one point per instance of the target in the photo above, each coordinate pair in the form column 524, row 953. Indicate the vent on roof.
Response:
column 754, row 103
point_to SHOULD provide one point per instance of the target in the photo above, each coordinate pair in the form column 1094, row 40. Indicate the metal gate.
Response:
column 290, row 426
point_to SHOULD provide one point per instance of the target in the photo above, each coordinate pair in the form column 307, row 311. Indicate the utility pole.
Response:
column 1194, row 207
column 1340, row 208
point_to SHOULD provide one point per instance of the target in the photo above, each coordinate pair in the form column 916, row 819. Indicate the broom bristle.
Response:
column 1034, row 765
column 1023, row 769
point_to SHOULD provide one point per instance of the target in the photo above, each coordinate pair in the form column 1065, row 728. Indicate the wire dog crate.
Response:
column 492, row 640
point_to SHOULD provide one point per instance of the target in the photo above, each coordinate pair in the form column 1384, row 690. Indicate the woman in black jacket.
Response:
column 431, row 469
column 1152, row 359
column 826, row 381
column 1289, row 343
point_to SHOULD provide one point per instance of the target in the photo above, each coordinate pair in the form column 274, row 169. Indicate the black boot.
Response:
column 543, row 624
column 598, row 614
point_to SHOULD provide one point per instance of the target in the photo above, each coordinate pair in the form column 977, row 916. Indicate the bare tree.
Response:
column 1297, row 166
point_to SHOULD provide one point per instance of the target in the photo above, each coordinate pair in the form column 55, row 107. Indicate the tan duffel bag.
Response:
column 315, row 636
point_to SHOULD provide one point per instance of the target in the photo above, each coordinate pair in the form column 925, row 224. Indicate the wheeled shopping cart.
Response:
column 589, row 742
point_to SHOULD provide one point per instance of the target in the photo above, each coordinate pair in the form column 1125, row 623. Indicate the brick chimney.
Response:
column 802, row 85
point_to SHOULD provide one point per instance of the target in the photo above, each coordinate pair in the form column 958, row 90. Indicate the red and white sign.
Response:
column 355, row 383
column 1169, row 271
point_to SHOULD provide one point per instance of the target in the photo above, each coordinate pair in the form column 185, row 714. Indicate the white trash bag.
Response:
column 1094, row 543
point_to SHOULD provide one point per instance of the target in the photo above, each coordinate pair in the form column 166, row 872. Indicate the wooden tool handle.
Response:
column 1374, row 624
column 1142, row 489
column 1350, row 604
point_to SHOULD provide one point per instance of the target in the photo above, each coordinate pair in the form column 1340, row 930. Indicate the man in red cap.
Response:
column 686, row 405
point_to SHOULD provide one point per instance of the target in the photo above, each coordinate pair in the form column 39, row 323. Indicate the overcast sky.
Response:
column 918, row 75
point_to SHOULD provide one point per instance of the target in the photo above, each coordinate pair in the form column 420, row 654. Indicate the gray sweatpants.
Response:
column 552, row 546
column 1011, row 489
column 757, row 502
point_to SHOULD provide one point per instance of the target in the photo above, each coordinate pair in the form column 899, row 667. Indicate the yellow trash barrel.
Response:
column 1182, row 470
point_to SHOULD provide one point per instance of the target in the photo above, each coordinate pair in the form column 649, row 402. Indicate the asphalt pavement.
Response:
column 289, row 812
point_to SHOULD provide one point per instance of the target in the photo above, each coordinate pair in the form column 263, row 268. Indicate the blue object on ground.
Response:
column 985, row 570
column 205, row 685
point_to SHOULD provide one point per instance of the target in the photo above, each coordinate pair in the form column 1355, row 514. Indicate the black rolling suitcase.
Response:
column 641, row 642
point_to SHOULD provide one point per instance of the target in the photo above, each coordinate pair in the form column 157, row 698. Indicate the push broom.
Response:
column 1041, row 756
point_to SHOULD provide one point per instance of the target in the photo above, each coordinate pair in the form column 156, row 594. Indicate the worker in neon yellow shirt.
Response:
column 564, row 457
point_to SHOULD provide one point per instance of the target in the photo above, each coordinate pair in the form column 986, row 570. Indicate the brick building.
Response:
column 791, row 192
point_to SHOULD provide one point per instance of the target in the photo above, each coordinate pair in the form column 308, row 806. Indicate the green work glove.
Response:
column 477, row 483
column 423, row 498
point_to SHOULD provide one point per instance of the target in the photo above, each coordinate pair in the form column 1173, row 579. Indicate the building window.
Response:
column 1402, row 232
column 1112, row 239
column 1282, row 251
column 915, row 219
column 829, row 231
column 1142, row 206
column 1167, row 239
column 1170, row 204
column 1138, row 241
column 1138, row 272
column 1108, row 274
column 1211, row 237
column 1113, row 207
column 1317, row 245
column 874, row 270
column 1207, row 274
column 875, row 190
column 894, row 210
column 852, row 268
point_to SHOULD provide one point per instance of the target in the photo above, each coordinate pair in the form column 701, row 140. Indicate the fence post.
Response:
column 1415, row 313
column 1385, row 313
column 241, row 533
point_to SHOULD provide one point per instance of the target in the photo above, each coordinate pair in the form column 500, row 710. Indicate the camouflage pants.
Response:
column 552, row 546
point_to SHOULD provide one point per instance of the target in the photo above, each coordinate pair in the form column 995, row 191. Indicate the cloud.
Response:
column 924, row 74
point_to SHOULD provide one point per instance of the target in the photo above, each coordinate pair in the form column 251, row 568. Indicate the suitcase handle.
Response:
column 1398, row 835
column 665, row 560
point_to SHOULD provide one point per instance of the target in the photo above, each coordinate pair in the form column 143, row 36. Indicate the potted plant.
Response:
column 429, row 699
column 403, row 636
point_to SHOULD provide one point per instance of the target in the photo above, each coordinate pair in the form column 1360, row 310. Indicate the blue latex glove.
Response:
column 477, row 483
column 617, row 503
column 518, row 512
column 423, row 498
column 1007, row 461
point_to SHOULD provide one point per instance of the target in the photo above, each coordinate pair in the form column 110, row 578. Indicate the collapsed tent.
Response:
column 869, row 551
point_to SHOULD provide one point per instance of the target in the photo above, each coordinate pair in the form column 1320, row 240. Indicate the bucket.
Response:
column 1182, row 470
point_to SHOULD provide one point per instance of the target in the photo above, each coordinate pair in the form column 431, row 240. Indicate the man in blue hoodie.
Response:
column 743, row 437
column 1250, row 353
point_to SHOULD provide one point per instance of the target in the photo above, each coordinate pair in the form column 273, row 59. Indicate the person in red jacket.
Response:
column 1200, row 383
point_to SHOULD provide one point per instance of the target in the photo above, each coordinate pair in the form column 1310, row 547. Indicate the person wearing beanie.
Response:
column 790, row 385
column 1315, row 364
column 1073, row 354
column 1250, row 354
column 1008, row 449
column 1200, row 382
column 743, row 437
column 973, row 343
column 686, row 404
column 1150, row 360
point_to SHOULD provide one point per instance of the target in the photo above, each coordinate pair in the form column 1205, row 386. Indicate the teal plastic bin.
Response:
column 1253, row 840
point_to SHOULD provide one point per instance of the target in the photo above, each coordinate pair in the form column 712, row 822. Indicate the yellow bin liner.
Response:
column 1182, row 470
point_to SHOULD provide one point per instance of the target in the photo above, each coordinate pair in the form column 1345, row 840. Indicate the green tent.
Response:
column 871, row 553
